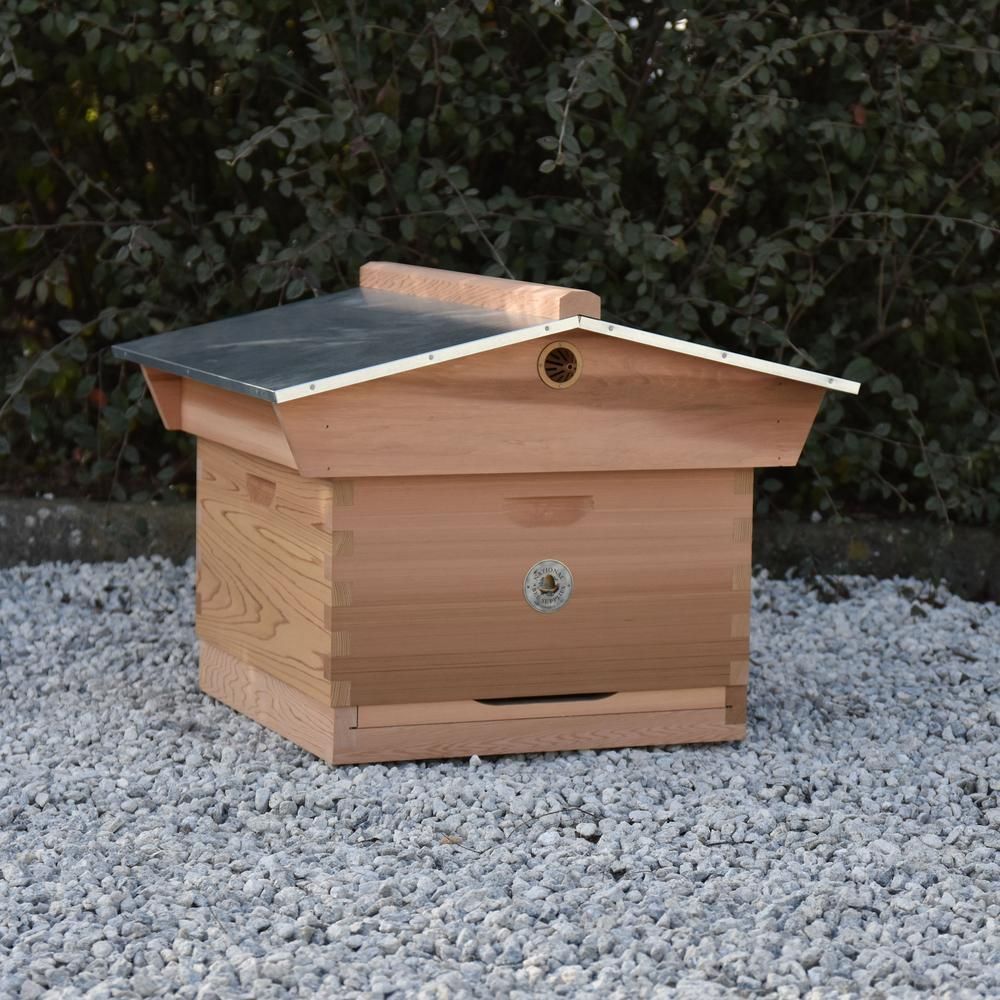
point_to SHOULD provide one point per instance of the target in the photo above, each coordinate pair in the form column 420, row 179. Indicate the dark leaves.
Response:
column 818, row 190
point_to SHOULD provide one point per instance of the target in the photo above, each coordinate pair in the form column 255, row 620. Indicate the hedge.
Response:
column 811, row 184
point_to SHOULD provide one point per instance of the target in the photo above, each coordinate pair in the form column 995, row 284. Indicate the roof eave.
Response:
column 657, row 340
column 743, row 361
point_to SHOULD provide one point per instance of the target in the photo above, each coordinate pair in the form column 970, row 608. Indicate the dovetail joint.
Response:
column 742, row 529
column 342, row 492
column 740, row 627
column 343, row 543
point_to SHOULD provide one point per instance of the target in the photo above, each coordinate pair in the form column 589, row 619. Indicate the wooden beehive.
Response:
column 443, row 514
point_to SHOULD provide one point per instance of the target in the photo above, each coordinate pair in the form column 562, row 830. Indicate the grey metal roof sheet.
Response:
column 266, row 352
column 332, row 341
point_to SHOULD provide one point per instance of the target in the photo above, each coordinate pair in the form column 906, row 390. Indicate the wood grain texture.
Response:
column 739, row 626
column 743, row 481
column 430, row 713
column 739, row 672
column 505, row 674
column 165, row 389
column 264, row 549
column 529, row 298
column 271, row 702
column 306, row 504
column 334, row 735
column 242, row 422
column 634, row 408
column 357, row 746
column 736, row 705
column 429, row 588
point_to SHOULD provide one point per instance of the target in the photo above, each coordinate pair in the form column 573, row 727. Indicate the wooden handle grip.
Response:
column 538, row 301
column 260, row 490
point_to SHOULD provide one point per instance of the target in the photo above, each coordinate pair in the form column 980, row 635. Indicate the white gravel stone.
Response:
column 152, row 842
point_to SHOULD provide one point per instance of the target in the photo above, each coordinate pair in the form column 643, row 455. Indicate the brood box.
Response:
column 443, row 514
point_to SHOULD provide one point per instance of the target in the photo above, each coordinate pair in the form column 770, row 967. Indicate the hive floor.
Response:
column 369, row 734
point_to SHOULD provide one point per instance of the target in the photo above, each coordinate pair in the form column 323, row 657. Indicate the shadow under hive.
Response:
column 443, row 514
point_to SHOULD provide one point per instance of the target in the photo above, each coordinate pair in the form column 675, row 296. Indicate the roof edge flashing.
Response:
column 417, row 361
column 576, row 322
column 744, row 361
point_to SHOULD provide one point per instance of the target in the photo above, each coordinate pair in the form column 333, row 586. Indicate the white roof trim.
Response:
column 558, row 326
column 425, row 360
column 723, row 357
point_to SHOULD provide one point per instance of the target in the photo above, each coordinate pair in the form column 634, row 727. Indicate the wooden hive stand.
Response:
column 367, row 534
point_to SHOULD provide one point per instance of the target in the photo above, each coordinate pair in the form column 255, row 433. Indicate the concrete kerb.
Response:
column 968, row 558
column 36, row 531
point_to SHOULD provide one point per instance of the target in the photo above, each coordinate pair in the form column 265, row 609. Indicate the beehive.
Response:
column 443, row 514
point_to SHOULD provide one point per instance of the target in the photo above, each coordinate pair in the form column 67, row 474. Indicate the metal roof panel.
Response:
column 326, row 343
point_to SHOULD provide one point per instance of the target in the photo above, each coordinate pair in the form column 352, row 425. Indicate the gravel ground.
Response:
column 153, row 842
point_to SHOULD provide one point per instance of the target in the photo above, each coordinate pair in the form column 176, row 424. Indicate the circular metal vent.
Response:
column 548, row 585
column 559, row 365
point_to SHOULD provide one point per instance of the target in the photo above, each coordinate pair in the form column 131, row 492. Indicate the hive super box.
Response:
column 443, row 514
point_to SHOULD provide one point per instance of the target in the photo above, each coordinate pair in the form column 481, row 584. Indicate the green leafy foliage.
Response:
column 813, row 184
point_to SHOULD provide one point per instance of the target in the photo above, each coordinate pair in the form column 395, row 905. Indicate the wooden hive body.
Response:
column 362, row 551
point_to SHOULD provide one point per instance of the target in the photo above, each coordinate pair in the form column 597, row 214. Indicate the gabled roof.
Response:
column 333, row 341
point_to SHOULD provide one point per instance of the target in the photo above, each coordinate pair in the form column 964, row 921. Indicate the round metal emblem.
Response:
column 548, row 585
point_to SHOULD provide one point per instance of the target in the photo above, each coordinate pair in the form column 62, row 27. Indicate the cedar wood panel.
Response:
column 427, row 575
column 634, row 407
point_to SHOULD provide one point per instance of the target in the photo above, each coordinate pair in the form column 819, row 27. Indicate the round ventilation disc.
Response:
column 548, row 585
column 559, row 365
